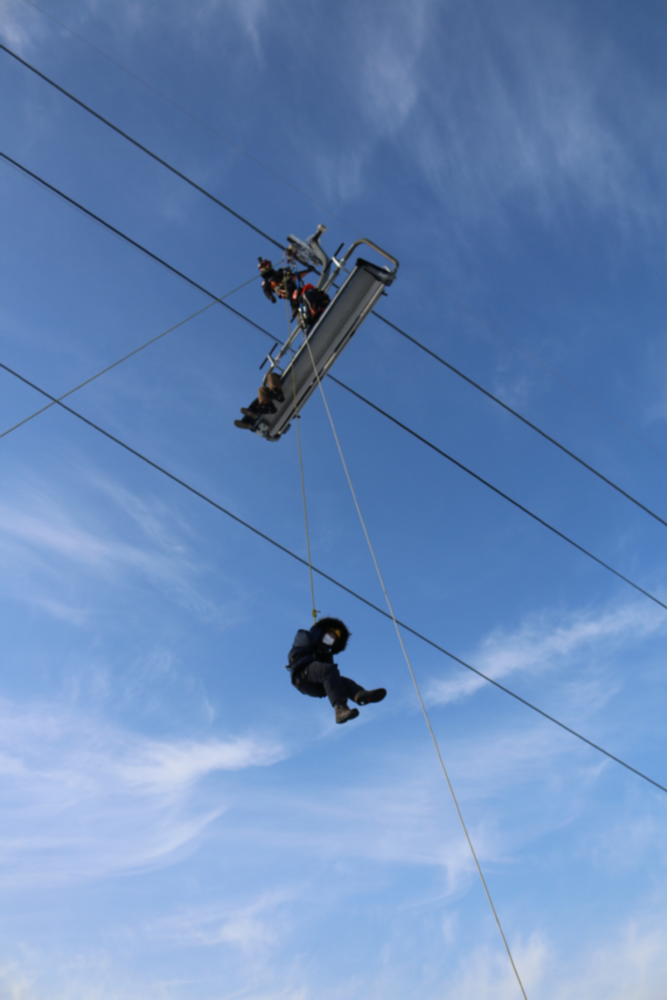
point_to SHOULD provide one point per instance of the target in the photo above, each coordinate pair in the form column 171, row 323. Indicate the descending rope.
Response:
column 410, row 668
column 131, row 354
column 298, row 438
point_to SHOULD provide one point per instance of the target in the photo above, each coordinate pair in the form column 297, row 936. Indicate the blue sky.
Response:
column 175, row 820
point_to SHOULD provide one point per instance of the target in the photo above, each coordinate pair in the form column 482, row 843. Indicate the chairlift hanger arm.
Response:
column 373, row 246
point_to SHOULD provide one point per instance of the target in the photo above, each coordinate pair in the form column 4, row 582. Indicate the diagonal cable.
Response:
column 241, row 218
column 144, row 149
column 505, row 496
column 337, row 583
column 403, row 333
column 520, row 417
column 256, row 326
column 131, row 354
column 123, row 236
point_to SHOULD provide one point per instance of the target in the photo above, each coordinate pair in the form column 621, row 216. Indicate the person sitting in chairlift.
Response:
column 306, row 300
column 311, row 304
column 270, row 390
column 313, row 671
column 283, row 283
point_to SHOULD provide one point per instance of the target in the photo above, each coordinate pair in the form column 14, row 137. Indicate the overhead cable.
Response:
column 139, row 145
column 419, row 437
column 505, row 496
column 189, row 114
column 125, row 357
column 403, row 333
column 331, row 579
column 128, row 239
column 520, row 417
column 440, row 291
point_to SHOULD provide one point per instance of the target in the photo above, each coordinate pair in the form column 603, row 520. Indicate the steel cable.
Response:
column 460, row 465
column 139, row 145
column 276, row 243
column 125, row 357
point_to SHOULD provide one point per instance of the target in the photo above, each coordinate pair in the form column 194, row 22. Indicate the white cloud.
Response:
column 81, row 799
column 401, row 814
column 390, row 77
column 253, row 927
column 14, row 29
column 253, row 16
column 162, row 767
column 53, row 547
column 519, row 107
column 486, row 974
column 545, row 640
column 632, row 966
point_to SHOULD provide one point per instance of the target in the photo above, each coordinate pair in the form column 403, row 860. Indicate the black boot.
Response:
column 366, row 697
column 247, row 423
column 343, row 713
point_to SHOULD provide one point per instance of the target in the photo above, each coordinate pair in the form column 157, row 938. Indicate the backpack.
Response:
column 300, row 647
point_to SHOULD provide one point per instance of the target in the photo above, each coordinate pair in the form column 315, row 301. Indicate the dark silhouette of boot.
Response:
column 246, row 423
column 366, row 697
column 343, row 713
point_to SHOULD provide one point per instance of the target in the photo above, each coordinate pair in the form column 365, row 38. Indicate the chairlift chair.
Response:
column 323, row 343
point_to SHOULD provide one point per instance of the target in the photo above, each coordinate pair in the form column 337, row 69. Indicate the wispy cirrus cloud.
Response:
column 631, row 967
column 108, row 535
column 255, row 926
column 539, row 113
column 542, row 641
column 390, row 50
column 81, row 799
column 14, row 26
column 498, row 109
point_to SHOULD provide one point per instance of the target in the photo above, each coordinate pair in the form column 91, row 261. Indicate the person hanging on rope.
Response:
column 313, row 671
column 270, row 390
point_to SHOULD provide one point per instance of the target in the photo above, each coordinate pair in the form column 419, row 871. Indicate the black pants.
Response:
column 321, row 680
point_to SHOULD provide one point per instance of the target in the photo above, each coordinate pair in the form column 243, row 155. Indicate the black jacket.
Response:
column 282, row 279
column 308, row 646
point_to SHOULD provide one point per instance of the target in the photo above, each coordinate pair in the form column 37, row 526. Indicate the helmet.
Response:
column 264, row 265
